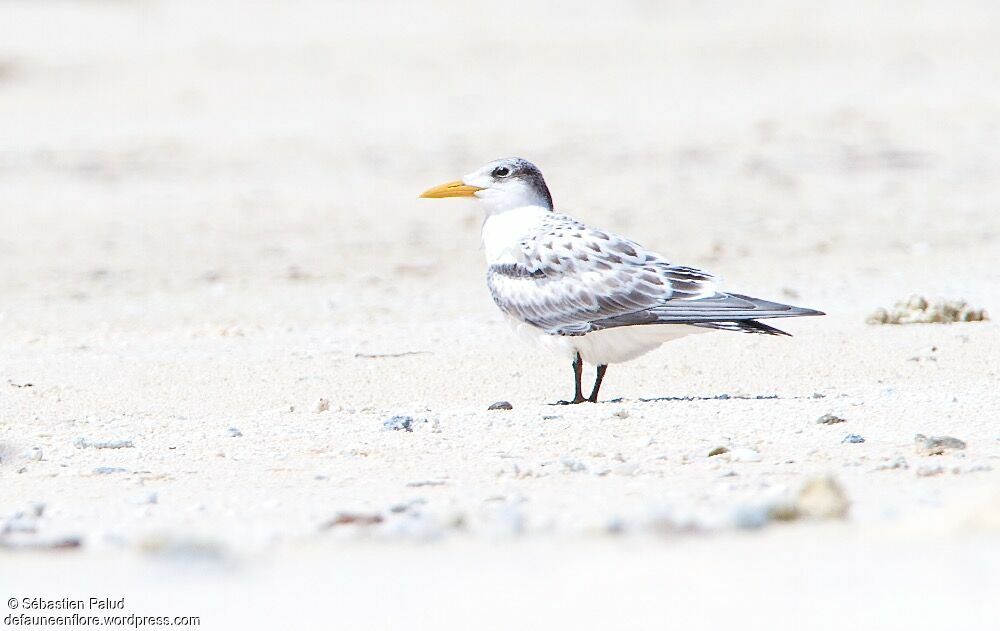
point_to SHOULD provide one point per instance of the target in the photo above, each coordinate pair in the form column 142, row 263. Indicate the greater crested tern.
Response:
column 589, row 294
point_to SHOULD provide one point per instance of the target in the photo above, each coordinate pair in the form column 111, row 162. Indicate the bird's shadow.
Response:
column 722, row 397
column 715, row 397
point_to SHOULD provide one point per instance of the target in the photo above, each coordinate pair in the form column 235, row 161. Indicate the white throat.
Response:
column 504, row 231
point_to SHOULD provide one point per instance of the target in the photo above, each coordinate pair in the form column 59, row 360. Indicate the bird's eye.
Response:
column 501, row 172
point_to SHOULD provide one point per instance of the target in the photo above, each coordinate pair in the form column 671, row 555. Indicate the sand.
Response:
column 209, row 225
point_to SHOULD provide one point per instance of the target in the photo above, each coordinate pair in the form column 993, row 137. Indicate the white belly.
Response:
column 610, row 346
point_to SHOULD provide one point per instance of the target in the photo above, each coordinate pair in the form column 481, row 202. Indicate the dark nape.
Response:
column 530, row 173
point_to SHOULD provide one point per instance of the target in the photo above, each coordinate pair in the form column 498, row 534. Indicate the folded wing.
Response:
column 571, row 280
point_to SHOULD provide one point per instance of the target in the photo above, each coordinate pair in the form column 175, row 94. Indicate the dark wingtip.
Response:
column 754, row 326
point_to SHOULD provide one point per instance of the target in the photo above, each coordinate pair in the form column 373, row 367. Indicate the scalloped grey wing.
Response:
column 569, row 279
column 571, row 302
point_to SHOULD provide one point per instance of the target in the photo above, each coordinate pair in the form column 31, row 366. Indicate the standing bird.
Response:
column 588, row 294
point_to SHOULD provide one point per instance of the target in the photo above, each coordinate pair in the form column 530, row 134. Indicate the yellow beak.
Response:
column 451, row 189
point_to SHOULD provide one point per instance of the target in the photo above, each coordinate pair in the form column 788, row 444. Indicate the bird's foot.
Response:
column 577, row 399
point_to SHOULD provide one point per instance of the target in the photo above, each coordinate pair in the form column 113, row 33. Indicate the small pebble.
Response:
column 936, row 445
column 718, row 451
column 621, row 413
column 357, row 519
column 501, row 405
column 323, row 405
column 397, row 423
column 35, row 453
column 853, row 438
column 109, row 470
column 233, row 432
column 930, row 470
column 830, row 419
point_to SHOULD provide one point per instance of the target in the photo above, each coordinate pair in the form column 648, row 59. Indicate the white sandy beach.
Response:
column 209, row 223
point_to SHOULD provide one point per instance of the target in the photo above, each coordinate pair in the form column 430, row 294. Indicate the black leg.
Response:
column 578, row 378
column 597, row 382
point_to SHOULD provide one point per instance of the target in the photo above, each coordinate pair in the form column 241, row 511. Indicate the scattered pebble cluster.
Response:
column 399, row 423
column 919, row 310
column 937, row 445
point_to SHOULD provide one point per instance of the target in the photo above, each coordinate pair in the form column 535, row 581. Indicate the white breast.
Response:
column 503, row 231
